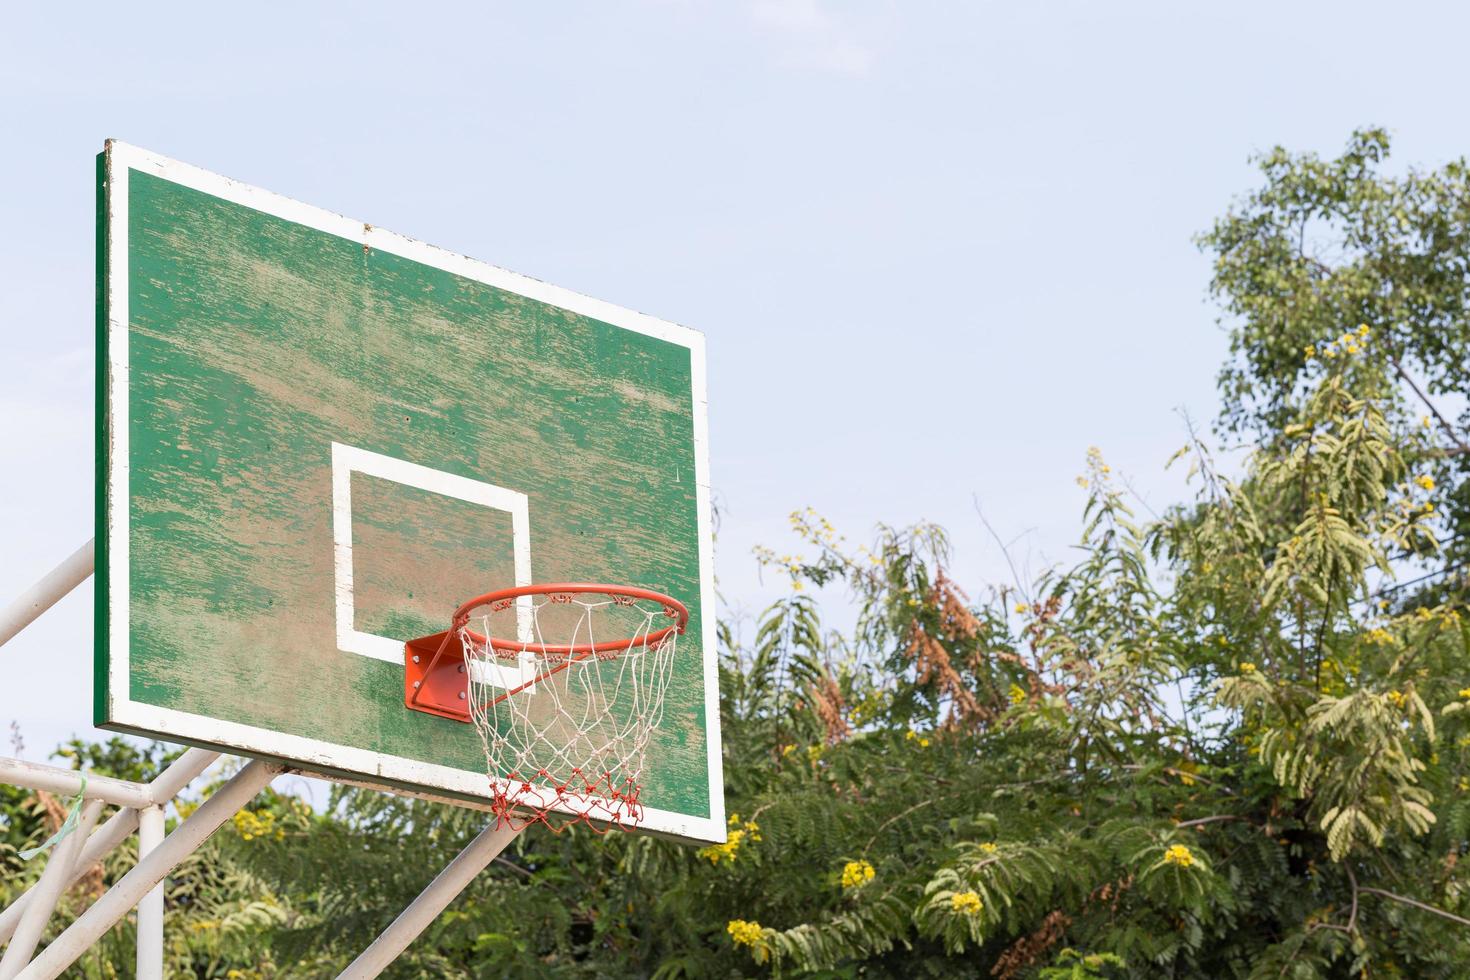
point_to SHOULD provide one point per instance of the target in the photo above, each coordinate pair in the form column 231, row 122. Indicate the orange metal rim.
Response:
column 673, row 607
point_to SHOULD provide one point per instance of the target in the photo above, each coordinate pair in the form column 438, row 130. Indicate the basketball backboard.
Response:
column 317, row 438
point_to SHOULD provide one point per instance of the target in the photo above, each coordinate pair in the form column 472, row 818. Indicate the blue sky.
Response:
column 938, row 250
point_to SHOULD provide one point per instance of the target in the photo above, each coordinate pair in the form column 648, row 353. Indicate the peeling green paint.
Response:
column 254, row 343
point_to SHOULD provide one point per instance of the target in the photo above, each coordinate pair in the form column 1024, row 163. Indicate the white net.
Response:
column 565, row 712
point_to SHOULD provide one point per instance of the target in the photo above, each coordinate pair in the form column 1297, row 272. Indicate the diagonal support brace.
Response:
column 48, row 892
column 47, row 592
column 128, row 891
column 431, row 901
column 165, row 786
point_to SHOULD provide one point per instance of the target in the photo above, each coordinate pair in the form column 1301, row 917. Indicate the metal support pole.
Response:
column 68, row 782
column 47, row 892
column 431, row 901
column 150, row 909
column 180, row 773
column 165, row 786
column 121, row 897
column 117, row 829
column 45, row 593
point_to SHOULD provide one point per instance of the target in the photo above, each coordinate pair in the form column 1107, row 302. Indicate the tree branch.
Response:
column 1418, row 905
column 1204, row 820
column 1444, row 423
column 1353, row 915
column 1005, row 552
column 502, row 862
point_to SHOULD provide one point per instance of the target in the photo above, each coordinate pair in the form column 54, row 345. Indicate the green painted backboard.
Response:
column 316, row 438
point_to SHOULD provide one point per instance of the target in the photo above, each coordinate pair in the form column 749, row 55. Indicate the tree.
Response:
column 1334, row 266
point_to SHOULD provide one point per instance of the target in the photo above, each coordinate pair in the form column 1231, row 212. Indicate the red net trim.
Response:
column 603, row 804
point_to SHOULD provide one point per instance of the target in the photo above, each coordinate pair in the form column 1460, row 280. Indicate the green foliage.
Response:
column 1333, row 267
column 1072, row 965
column 1229, row 741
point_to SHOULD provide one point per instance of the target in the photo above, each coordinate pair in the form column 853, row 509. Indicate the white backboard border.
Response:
column 345, row 762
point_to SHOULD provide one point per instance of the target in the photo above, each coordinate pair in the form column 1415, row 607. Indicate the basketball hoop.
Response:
column 563, row 716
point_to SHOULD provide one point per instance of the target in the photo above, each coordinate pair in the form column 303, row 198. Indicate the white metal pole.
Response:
column 150, row 909
column 121, row 897
column 165, row 786
column 68, row 782
column 117, row 829
column 431, row 901
column 45, row 593
column 180, row 773
column 48, row 890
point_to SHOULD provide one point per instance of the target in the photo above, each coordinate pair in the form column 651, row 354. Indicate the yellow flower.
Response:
column 1352, row 348
column 1397, row 698
column 1424, row 421
column 910, row 734
column 1425, row 481
column 1380, row 636
column 725, row 852
column 744, row 933
column 1310, row 350
column 1016, row 694
column 787, row 750
column 923, row 743
column 1247, row 668
column 1180, row 855
column 1082, row 482
column 1021, row 607
column 966, row 903
column 1465, row 693
column 1363, row 330
column 735, row 838
column 252, row 824
column 1464, row 784
column 1330, row 353
column 988, row 848
column 856, row 874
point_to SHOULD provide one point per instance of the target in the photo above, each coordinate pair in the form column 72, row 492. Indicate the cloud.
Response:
column 810, row 37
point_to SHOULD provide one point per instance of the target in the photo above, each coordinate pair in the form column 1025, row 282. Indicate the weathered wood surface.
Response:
column 254, row 343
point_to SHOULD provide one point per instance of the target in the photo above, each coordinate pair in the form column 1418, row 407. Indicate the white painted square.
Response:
column 347, row 460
